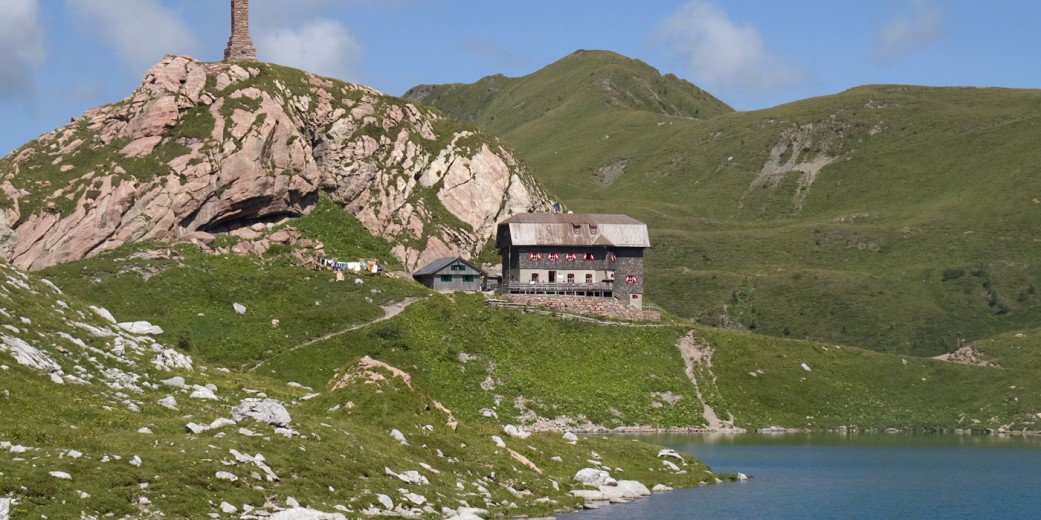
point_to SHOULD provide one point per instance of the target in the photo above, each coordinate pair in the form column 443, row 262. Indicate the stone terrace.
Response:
column 606, row 307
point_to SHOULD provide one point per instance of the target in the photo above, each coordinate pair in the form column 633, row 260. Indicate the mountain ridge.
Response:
column 870, row 194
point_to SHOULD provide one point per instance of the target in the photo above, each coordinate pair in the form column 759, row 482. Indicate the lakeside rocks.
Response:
column 608, row 490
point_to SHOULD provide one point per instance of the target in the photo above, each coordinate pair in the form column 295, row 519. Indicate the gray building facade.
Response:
column 451, row 274
column 574, row 254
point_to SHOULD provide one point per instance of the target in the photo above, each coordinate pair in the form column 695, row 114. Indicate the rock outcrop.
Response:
column 205, row 148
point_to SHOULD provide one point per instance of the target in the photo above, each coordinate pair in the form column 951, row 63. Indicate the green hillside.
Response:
column 892, row 217
column 449, row 373
column 517, row 368
column 97, row 427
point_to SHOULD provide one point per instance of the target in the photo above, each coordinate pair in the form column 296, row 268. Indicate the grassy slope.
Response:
column 927, row 181
column 191, row 293
column 856, row 388
column 339, row 459
column 540, row 367
column 589, row 374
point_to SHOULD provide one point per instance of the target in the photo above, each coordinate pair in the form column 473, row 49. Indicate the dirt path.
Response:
column 389, row 311
column 694, row 355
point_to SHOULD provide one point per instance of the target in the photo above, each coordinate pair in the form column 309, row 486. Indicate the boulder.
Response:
column 176, row 382
column 29, row 356
column 104, row 314
column 667, row 453
column 516, row 432
column 633, row 488
column 385, row 501
column 301, row 513
column 201, row 392
column 408, row 477
column 594, row 477
column 170, row 359
column 267, row 411
column 141, row 328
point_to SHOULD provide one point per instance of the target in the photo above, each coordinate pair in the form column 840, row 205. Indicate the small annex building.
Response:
column 574, row 254
column 451, row 274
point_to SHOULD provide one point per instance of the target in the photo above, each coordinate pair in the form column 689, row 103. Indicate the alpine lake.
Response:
column 851, row 475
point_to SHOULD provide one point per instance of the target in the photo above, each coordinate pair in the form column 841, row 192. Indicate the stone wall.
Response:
column 606, row 307
column 240, row 46
column 630, row 263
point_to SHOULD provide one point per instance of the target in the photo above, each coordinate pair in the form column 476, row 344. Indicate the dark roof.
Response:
column 559, row 229
column 441, row 263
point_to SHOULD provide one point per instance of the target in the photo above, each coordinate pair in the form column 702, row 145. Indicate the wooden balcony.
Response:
column 571, row 289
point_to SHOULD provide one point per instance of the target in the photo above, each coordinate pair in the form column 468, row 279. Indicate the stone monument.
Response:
column 240, row 46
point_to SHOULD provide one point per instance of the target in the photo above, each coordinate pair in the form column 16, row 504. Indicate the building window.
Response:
column 588, row 257
column 458, row 267
column 571, row 257
column 589, row 278
column 577, row 229
column 612, row 257
column 571, row 278
column 593, row 230
column 630, row 278
column 446, row 278
column 534, row 256
column 552, row 257
column 468, row 278
column 534, row 277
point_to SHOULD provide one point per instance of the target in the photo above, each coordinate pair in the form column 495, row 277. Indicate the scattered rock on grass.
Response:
column 267, row 411
column 594, row 477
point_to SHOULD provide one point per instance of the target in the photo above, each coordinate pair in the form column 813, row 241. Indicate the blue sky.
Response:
column 61, row 57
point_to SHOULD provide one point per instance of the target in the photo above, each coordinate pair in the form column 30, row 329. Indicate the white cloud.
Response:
column 722, row 54
column 320, row 46
column 909, row 31
column 141, row 32
column 22, row 50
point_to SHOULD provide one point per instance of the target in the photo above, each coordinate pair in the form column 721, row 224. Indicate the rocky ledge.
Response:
column 204, row 148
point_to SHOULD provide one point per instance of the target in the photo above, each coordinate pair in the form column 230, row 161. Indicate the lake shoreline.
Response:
column 828, row 475
column 601, row 430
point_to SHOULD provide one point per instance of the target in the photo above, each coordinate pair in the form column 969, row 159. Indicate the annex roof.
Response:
column 437, row 265
column 573, row 229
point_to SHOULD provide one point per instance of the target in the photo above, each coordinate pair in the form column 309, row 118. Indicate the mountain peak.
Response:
column 204, row 148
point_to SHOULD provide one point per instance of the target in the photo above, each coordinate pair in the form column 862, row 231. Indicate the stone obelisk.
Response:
column 240, row 46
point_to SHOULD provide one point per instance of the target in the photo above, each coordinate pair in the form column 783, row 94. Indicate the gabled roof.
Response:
column 559, row 229
column 441, row 263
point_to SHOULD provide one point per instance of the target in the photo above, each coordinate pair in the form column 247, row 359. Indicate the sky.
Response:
column 59, row 58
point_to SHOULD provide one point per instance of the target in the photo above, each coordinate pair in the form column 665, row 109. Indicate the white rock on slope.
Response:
column 29, row 356
column 267, row 411
column 300, row 513
column 594, row 477
column 141, row 328
column 170, row 359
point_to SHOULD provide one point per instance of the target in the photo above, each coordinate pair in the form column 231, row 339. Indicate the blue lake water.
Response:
column 850, row 476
